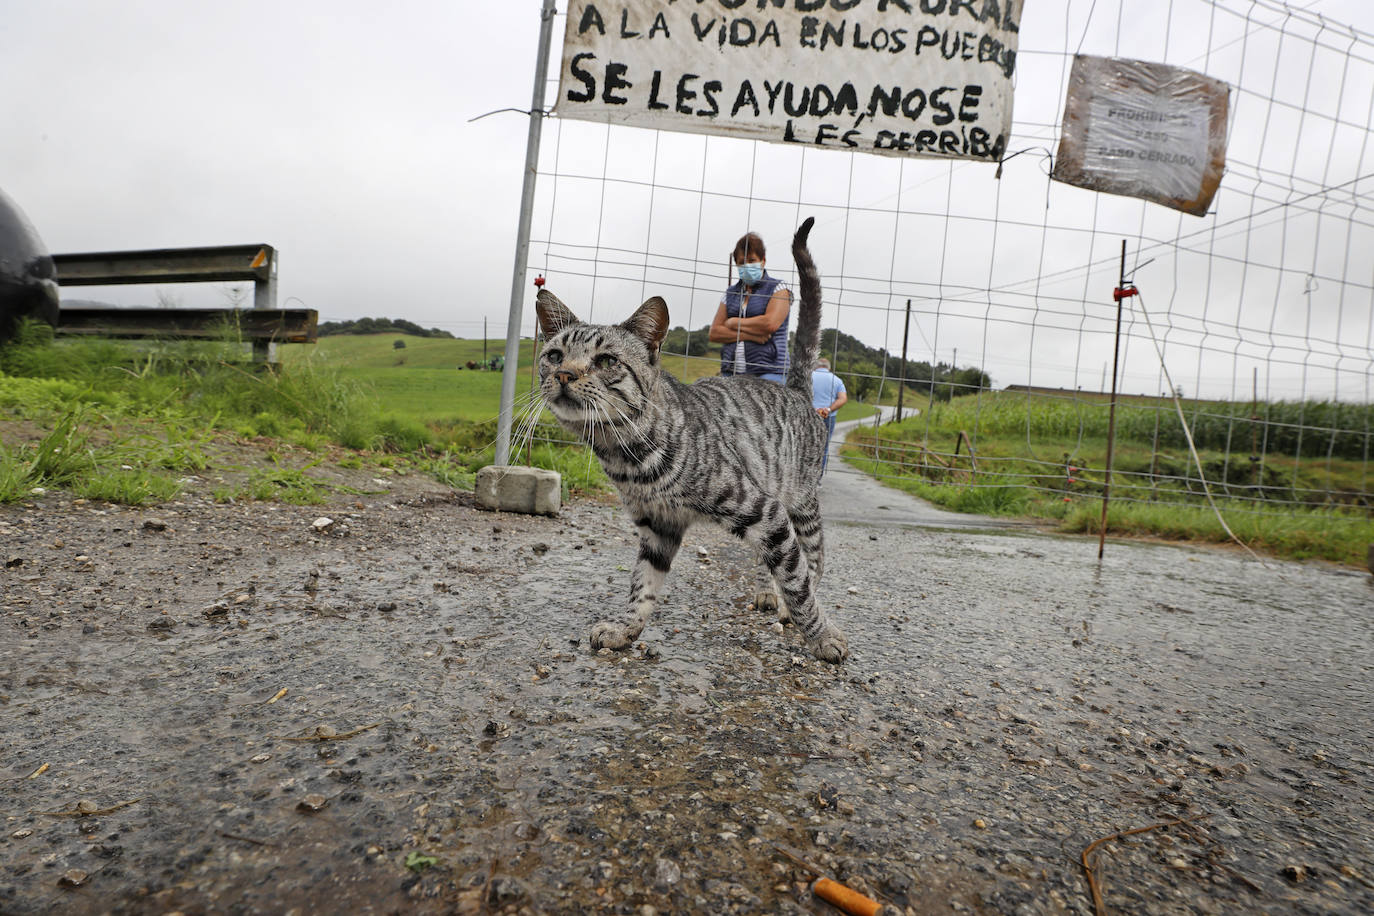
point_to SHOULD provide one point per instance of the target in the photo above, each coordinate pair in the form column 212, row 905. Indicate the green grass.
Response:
column 14, row 476
column 285, row 484
column 449, row 470
column 68, row 457
column 376, row 351
column 65, row 454
column 135, row 487
column 1337, row 536
column 1044, row 459
column 445, row 397
column 855, row 410
column 421, row 386
column 349, row 391
column 123, row 420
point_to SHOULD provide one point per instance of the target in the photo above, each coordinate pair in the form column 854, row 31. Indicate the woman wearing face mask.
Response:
column 751, row 321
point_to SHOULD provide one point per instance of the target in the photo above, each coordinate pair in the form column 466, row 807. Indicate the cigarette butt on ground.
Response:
column 851, row 901
column 280, row 693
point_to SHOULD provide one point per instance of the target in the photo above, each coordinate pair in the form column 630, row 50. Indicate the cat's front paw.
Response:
column 829, row 646
column 607, row 635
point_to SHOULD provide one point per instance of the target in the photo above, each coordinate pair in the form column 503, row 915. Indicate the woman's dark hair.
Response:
column 749, row 244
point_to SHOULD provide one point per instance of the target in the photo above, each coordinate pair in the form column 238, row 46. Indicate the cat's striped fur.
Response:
column 742, row 452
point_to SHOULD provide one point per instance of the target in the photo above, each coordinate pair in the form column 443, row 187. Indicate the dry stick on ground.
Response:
column 815, row 870
column 322, row 735
column 88, row 809
column 1098, row 904
column 486, row 885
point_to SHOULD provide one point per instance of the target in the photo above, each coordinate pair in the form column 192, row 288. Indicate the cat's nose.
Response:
column 565, row 376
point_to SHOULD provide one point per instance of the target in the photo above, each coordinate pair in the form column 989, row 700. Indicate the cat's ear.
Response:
column 649, row 323
column 554, row 316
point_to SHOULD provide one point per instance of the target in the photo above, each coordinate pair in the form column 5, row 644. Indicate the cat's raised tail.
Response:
column 807, row 342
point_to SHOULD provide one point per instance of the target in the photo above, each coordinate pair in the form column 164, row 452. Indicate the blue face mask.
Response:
column 750, row 274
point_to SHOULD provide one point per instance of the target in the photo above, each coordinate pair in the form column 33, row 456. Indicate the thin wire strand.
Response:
column 1248, row 294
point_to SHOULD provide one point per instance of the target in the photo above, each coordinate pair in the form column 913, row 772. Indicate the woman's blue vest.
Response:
column 759, row 358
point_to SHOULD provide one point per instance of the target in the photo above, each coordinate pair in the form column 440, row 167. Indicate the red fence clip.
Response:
column 1119, row 294
column 539, row 280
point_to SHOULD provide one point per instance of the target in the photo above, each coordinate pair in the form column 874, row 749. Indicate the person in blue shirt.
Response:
column 751, row 322
column 827, row 395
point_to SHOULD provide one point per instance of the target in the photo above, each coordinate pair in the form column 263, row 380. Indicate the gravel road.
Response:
column 229, row 708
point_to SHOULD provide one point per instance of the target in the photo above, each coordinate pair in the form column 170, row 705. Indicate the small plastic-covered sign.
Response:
column 1144, row 130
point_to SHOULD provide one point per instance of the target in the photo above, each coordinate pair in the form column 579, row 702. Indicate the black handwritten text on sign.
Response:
column 897, row 77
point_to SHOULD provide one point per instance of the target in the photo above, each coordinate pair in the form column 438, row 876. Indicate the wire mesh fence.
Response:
column 1257, row 317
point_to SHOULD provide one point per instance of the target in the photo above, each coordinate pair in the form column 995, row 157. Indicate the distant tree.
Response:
column 861, row 379
column 943, row 381
column 399, row 344
column 681, row 342
column 379, row 326
column 969, row 380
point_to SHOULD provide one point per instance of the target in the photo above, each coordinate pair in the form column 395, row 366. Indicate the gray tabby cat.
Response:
column 742, row 452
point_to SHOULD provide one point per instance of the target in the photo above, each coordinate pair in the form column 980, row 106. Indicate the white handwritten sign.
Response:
column 1144, row 130
column 896, row 77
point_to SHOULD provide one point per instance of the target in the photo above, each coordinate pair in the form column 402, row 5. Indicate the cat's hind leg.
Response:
column 659, row 540
column 806, row 524
column 766, row 589
column 782, row 549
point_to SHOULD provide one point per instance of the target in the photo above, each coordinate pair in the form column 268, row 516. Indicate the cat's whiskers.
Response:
column 626, row 444
column 602, row 427
column 525, row 412
column 528, row 422
column 635, row 424
column 629, row 445
column 640, row 426
column 522, row 399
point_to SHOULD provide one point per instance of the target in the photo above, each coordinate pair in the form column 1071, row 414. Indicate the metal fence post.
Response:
column 522, row 243
column 1119, row 295
column 265, row 297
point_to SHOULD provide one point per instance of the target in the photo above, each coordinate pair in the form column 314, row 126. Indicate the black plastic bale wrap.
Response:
column 28, row 280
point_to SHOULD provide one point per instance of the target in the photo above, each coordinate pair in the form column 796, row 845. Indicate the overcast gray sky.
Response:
column 341, row 133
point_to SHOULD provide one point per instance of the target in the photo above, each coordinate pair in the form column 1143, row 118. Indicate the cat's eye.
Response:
column 554, row 356
column 606, row 361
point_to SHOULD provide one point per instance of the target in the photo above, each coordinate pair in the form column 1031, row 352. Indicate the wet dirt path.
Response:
column 1008, row 702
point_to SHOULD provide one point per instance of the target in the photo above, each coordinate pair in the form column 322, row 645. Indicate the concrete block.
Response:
column 514, row 488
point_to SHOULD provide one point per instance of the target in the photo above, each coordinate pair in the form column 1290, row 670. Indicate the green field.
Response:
column 122, row 421
column 1303, row 496
column 1035, row 456
column 423, row 382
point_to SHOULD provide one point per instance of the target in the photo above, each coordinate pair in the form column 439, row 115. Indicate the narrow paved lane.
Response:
column 849, row 495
